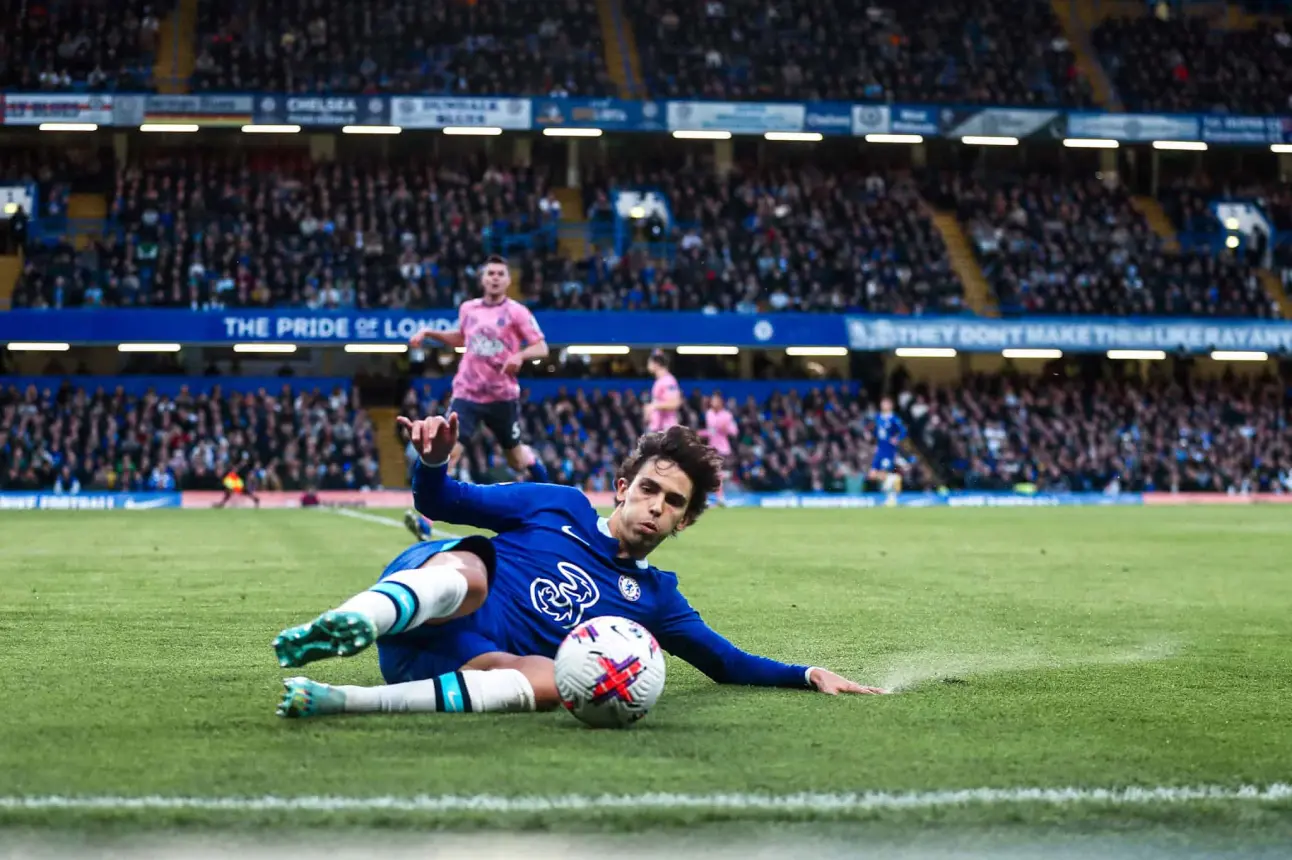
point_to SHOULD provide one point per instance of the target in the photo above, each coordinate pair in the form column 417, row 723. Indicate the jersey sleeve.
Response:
column 498, row 507
column 681, row 631
column 527, row 326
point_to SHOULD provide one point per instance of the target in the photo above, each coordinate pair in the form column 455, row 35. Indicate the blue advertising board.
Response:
column 641, row 330
column 94, row 501
column 519, row 113
column 605, row 114
column 1076, row 334
column 308, row 110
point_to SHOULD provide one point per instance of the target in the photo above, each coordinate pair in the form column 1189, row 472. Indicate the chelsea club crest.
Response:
column 629, row 588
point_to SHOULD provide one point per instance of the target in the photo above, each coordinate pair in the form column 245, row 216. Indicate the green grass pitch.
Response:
column 1087, row 648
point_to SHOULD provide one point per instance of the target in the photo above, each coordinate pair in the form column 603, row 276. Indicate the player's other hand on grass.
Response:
column 825, row 681
column 433, row 438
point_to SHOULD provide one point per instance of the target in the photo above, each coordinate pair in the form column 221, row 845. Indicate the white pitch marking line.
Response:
column 859, row 802
column 385, row 521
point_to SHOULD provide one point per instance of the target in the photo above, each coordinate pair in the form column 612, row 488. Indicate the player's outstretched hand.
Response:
column 433, row 438
column 831, row 684
column 422, row 336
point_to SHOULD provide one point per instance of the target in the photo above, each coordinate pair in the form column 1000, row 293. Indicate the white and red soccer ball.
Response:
column 609, row 672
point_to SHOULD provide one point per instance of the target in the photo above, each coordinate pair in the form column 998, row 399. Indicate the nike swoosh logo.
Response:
column 570, row 532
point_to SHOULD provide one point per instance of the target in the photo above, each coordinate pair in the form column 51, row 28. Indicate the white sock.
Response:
column 410, row 598
column 468, row 691
column 890, row 483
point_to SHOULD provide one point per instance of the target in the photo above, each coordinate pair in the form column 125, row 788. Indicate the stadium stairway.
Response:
column 10, row 269
column 978, row 293
column 1158, row 221
column 572, row 238
column 1077, row 17
column 176, row 49
column 89, row 211
column 1276, row 290
column 390, row 453
column 622, row 61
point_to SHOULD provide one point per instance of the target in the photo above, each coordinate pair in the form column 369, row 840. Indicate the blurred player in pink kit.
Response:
column 665, row 396
column 499, row 335
column 719, row 428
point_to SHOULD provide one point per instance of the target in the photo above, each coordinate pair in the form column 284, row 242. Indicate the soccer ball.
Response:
column 609, row 672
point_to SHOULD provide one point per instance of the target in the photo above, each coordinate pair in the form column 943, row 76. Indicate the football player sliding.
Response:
column 472, row 625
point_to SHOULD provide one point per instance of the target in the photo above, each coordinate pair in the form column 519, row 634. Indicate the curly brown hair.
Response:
column 683, row 446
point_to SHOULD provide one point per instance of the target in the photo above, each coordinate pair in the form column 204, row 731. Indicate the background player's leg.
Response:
column 504, row 418
column 504, row 683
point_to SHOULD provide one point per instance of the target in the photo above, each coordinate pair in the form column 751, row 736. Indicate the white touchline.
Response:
column 385, row 521
column 860, row 802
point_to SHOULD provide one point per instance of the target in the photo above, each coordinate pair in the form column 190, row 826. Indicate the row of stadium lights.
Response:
column 787, row 136
column 622, row 349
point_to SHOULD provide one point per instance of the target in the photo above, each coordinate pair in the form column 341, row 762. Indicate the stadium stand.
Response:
column 204, row 231
column 817, row 440
column 1188, row 64
column 1058, row 246
column 200, row 230
column 1056, row 433
column 494, row 47
column 68, row 439
column 1104, row 435
column 810, row 239
column 979, row 52
column 83, row 45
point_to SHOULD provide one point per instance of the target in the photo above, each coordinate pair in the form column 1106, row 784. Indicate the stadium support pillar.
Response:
column 572, row 178
column 1108, row 162
column 322, row 148
column 121, row 149
column 1285, row 167
column 723, row 156
column 522, row 152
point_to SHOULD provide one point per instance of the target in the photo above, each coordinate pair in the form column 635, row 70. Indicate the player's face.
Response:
column 494, row 280
column 653, row 506
column 716, row 403
column 886, row 406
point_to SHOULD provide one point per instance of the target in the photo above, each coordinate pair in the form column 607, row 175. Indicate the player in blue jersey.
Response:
column 887, row 463
column 472, row 625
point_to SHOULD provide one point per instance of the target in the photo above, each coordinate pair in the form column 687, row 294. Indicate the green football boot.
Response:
column 304, row 698
column 332, row 634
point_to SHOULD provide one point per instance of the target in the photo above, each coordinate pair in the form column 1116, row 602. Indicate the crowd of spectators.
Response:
column 1050, row 245
column 1108, row 435
column 1009, row 52
column 1190, row 65
column 201, row 231
column 484, row 47
column 810, row 239
column 1055, row 433
column 204, row 231
column 820, row 441
column 88, row 45
column 69, row 440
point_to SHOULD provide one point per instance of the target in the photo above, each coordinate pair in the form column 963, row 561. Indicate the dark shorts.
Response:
column 434, row 649
column 501, row 417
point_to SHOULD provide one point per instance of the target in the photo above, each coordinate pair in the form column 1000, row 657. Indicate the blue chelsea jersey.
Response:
column 557, row 566
column 889, row 432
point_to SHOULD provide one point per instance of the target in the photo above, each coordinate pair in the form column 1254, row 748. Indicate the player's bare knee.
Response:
column 541, row 674
column 519, row 457
column 474, row 571
column 539, row 671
